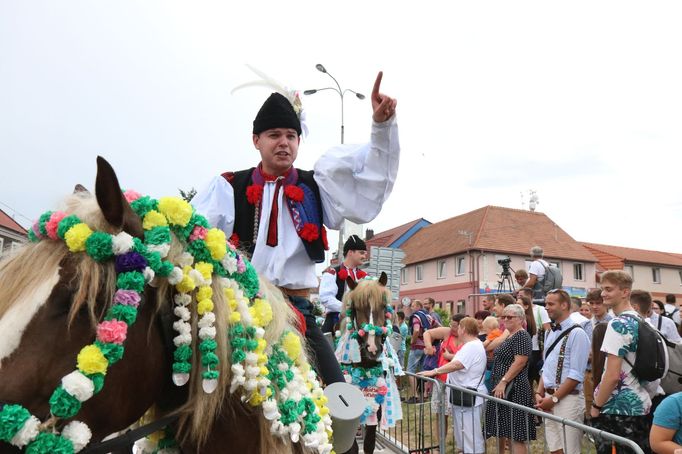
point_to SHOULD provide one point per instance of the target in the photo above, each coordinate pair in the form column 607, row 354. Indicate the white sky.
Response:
column 581, row 101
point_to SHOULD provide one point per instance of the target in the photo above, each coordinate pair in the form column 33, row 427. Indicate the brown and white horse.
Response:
column 50, row 302
column 368, row 322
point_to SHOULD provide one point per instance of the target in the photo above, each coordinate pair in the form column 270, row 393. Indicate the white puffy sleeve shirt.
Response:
column 354, row 183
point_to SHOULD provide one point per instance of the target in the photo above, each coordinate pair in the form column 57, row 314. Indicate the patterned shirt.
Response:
column 629, row 397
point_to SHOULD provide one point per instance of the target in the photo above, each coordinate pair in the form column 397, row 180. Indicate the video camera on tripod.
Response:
column 505, row 283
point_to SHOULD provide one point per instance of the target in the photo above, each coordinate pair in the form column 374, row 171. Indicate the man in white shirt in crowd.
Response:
column 641, row 301
column 536, row 274
column 277, row 213
column 560, row 389
column 333, row 283
column 671, row 308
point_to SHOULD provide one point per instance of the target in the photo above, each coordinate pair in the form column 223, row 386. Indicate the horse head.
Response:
column 368, row 315
column 101, row 286
column 50, row 303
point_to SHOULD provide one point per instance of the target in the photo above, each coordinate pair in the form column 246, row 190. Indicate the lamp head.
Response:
column 309, row 92
column 320, row 68
column 360, row 95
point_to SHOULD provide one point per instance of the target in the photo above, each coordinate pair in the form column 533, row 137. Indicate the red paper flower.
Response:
column 234, row 240
column 360, row 274
column 294, row 193
column 343, row 274
column 254, row 194
column 309, row 232
column 325, row 243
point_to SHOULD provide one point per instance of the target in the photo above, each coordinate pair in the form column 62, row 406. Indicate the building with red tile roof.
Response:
column 12, row 234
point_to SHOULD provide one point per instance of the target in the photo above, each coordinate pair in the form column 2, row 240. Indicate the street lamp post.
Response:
column 341, row 93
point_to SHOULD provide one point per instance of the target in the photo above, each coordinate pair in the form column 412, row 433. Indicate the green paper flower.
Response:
column 157, row 235
column 112, row 352
column 42, row 221
column 182, row 367
column 164, row 269
column 210, row 375
column 97, row 380
column 144, row 205
column 12, row 419
column 208, row 345
column 209, row 359
column 182, row 353
column 49, row 443
column 63, row 404
column 200, row 252
column 131, row 280
column 98, row 246
column 127, row 314
column 65, row 224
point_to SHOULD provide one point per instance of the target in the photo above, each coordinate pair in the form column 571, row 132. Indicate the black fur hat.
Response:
column 276, row 112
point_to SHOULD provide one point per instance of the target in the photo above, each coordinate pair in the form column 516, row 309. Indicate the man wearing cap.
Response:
column 277, row 213
column 333, row 282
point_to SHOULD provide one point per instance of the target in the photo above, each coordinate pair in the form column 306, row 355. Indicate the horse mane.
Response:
column 34, row 261
column 368, row 294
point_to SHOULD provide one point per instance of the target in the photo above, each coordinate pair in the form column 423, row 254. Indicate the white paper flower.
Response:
column 162, row 249
column 182, row 299
column 148, row 274
column 182, row 313
column 184, row 259
column 182, row 327
column 27, row 433
column 197, row 277
column 78, row 385
column 208, row 319
column 182, row 339
column 78, row 433
column 208, row 332
column 175, row 276
column 122, row 243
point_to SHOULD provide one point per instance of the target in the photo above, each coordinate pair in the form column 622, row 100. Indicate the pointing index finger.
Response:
column 377, row 84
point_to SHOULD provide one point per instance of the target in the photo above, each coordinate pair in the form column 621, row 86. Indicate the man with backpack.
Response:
column 621, row 402
column 542, row 276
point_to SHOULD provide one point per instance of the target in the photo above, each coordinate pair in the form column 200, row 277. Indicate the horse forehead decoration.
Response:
column 260, row 371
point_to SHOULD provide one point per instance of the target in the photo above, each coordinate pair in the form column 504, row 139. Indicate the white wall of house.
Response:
column 655, row 278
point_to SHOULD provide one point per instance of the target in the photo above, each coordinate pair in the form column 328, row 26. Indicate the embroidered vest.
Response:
column 244, row 224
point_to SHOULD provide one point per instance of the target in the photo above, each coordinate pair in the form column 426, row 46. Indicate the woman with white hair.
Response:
column 510, row 381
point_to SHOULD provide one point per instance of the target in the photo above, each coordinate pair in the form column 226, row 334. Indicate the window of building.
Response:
column 630, row 270
column 656, row 275
column 2, row 245
column 461, row 265
column 440, row 269
column 680, row 272
column 14, row 245
column 403, row 276
column 578, row 272
column 418, row 273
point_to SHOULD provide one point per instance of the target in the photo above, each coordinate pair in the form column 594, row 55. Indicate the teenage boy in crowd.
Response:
column 621, row 403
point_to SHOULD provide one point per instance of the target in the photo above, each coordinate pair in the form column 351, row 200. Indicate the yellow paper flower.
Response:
column 261, row 311
column 235, row 317
column 262, row 343
column 76, row 236
column 204, row 306
column 216, row 243
column 176, row 210
column 205, row 293
column 206, row 269
column 256, row 399
column 154, row 219
column 92, row 361
column 291, row 344
column 229, row 293
column 186, row 285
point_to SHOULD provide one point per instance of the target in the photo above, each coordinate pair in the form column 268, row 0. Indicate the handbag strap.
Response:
column 556, row 341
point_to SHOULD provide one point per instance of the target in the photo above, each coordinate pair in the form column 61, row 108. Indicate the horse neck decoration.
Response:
column 117, row 261
column 367, row 360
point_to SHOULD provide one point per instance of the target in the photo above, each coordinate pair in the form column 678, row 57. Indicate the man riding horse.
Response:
column 277, row 213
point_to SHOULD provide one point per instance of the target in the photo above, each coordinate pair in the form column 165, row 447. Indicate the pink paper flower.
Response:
column 52, row 225
column 383, row 390
column 199, row 233
column 112, row 331
column 131, row 195
column 127, row 297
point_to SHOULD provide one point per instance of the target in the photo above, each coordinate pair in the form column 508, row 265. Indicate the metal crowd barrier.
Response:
column 416, row 433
